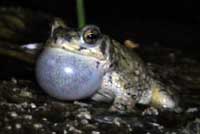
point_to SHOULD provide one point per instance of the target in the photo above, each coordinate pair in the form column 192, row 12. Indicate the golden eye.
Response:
column 91, row 35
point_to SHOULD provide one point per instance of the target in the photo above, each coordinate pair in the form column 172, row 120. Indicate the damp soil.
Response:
column 25, row 108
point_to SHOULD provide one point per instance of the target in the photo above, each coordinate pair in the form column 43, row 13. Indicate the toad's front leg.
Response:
column 114, row 89
column 123, row 103
column 120, row 103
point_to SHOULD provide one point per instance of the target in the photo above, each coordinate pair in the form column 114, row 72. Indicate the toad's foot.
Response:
column 123, row 104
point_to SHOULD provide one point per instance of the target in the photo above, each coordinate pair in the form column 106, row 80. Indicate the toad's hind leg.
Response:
column 162, row 98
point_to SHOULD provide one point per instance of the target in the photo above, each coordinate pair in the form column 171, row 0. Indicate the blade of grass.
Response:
column 80, row 13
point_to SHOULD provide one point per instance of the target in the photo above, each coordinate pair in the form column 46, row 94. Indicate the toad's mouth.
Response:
column 74, row 46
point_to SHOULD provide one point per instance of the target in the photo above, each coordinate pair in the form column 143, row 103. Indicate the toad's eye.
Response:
column 91, row 34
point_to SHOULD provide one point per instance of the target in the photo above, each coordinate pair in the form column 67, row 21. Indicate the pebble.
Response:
column 24, row 104
column 95, row 132
column 18, row 126
column 192, row 110
column 73, row 129
column 160, row 127
column 28, row 117
column 14, row 80
column 81, row 104
column 15, row 89
column 9, row 127
column 84, row 115
column 55, row 124
column 37, row 125
column 33, row 106
column 174, row 133
column 84, row 122
column 13, row 114
column 137, row 72
column 26, row 94
column 117, row 121
column 129, row 128
column 44, row 119
column 64, row 131
column 150, row 111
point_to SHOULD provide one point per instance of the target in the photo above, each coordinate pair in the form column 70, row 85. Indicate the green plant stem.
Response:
column 80, row 13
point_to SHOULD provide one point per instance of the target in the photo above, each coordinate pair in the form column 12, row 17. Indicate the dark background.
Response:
column 168, row 23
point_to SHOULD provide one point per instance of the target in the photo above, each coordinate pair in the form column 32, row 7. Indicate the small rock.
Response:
column 117, row 121
column 18, row 126
column 15, row 89
column 24, row 104
column 81, row 104
column 84, row 121
column 29, row 117
column 26, row 94
column 95, row 132
column 192, row 110
column 85, row 115
column 44, row 119
column 9, row 127
column 73, row 129
column 130, row 129
column 174, row 133
column 14, row 80
column 33, row 106
column 160, row 127
column 13, row 114
column 150, row 111
column 64, row 131
column 55, row 124
column 37, row 125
